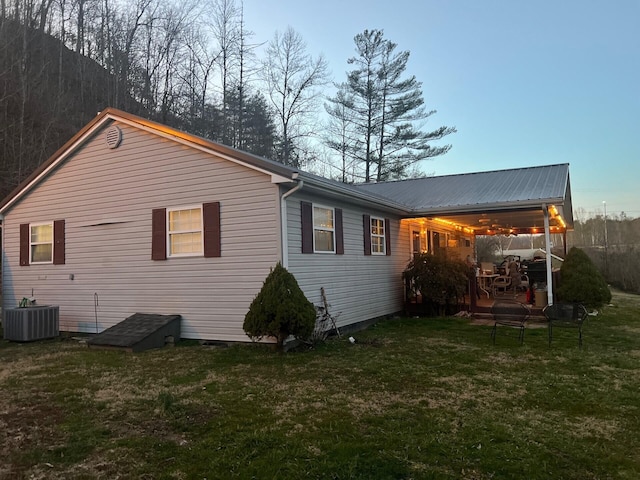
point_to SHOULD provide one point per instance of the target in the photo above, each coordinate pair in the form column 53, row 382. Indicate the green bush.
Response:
column 280, row 309
column 581, row 281
column 439, row 280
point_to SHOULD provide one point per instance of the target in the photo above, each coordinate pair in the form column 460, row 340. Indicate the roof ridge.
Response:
column 501, row 170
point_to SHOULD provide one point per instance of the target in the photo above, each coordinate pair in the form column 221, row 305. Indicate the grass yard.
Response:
column 413, row 398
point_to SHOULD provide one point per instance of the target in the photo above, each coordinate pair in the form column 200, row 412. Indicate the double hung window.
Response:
column 378, row 242
column 323, row 229
column 377, row 238
column 184, row 231
column 41, row 243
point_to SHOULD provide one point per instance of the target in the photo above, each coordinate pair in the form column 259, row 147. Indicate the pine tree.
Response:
column 386, row 109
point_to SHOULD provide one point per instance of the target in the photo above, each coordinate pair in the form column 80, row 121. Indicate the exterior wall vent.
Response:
column 113, row 137
column 31, row 323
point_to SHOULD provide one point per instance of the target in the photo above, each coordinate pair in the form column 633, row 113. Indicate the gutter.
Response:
column 354, row 194
column 283, row 220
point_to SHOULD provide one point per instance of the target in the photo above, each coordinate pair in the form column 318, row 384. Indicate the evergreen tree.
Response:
column 386, row 109
column 581, row 281
column 252, row 124
column 341, row 135
column 280, row 309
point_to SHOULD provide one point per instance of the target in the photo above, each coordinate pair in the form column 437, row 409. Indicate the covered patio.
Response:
column 533, row 200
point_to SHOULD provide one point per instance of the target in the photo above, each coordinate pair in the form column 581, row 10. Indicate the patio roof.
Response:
column 500, row 201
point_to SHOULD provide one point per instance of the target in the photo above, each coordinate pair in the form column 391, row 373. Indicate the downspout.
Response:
column 283, row 221
column 547, row 242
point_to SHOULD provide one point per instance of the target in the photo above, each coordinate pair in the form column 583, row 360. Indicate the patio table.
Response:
column 486, row 279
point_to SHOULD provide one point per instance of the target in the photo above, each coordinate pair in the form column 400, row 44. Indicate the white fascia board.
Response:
column 280, row 179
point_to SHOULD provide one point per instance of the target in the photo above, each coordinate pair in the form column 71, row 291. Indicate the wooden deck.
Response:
column 482, row 306
column 485, row 304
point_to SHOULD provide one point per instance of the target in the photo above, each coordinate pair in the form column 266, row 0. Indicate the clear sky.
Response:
column 525, row 83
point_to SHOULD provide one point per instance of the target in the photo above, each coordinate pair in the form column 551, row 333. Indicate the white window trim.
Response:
column 39, row 224
column 383, row 236
column 169, row 232
column 323, row 229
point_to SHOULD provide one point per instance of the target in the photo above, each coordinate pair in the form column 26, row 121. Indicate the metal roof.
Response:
column 482, row 189
column 510, row 198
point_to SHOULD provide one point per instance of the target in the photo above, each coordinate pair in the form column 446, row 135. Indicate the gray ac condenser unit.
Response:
column 31, row 323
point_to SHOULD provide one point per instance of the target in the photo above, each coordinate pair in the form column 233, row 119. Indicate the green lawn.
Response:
column 413, row 398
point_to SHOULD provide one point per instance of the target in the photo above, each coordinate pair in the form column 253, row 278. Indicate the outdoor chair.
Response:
column 510, row 314
column 572, row 315
column 509, row 283
column 501, row 285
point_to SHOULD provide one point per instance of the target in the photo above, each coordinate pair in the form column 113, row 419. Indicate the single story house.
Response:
column 133, row 216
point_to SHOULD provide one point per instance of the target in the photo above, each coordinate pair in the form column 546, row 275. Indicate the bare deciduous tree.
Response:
column 293, row 79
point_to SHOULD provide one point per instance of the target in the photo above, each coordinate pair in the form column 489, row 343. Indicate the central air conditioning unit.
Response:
column 31, row 323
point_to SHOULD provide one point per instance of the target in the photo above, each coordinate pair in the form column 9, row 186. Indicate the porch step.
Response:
column 139, row 332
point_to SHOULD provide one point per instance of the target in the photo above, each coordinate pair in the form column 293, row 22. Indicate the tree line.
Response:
column 613, row 244
column 196, row 65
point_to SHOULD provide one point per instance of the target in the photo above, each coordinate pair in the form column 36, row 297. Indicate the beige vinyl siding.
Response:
column 359, row 286
column 106, row 198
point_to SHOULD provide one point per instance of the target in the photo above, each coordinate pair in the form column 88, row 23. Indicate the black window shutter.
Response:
column 306, row 213
column 159, row 234
column 58, row 242
column 211, row 221
column 366, row 223
column 339, row 232
column 24, row 244
column 387, row 236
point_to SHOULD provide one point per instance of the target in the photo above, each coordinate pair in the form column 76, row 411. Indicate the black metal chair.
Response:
column 572, row 315
column 511, row 314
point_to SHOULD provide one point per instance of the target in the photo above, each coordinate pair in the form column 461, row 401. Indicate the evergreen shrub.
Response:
column 440, row 281
column 581, row 281
column 280, row 309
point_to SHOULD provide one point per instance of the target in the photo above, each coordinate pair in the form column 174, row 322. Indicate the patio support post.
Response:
column 472, row 289
column 547, row 243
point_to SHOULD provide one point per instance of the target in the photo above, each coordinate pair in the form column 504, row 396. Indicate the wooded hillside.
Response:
column 47, row 93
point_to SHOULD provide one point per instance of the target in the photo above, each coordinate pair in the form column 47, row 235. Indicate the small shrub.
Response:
column 280, row 309
column 581, row 281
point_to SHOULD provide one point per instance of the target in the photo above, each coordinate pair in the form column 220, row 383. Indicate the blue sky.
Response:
column 525, row 83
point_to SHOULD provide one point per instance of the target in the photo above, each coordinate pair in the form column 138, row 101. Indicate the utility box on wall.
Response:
column 31, row 323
